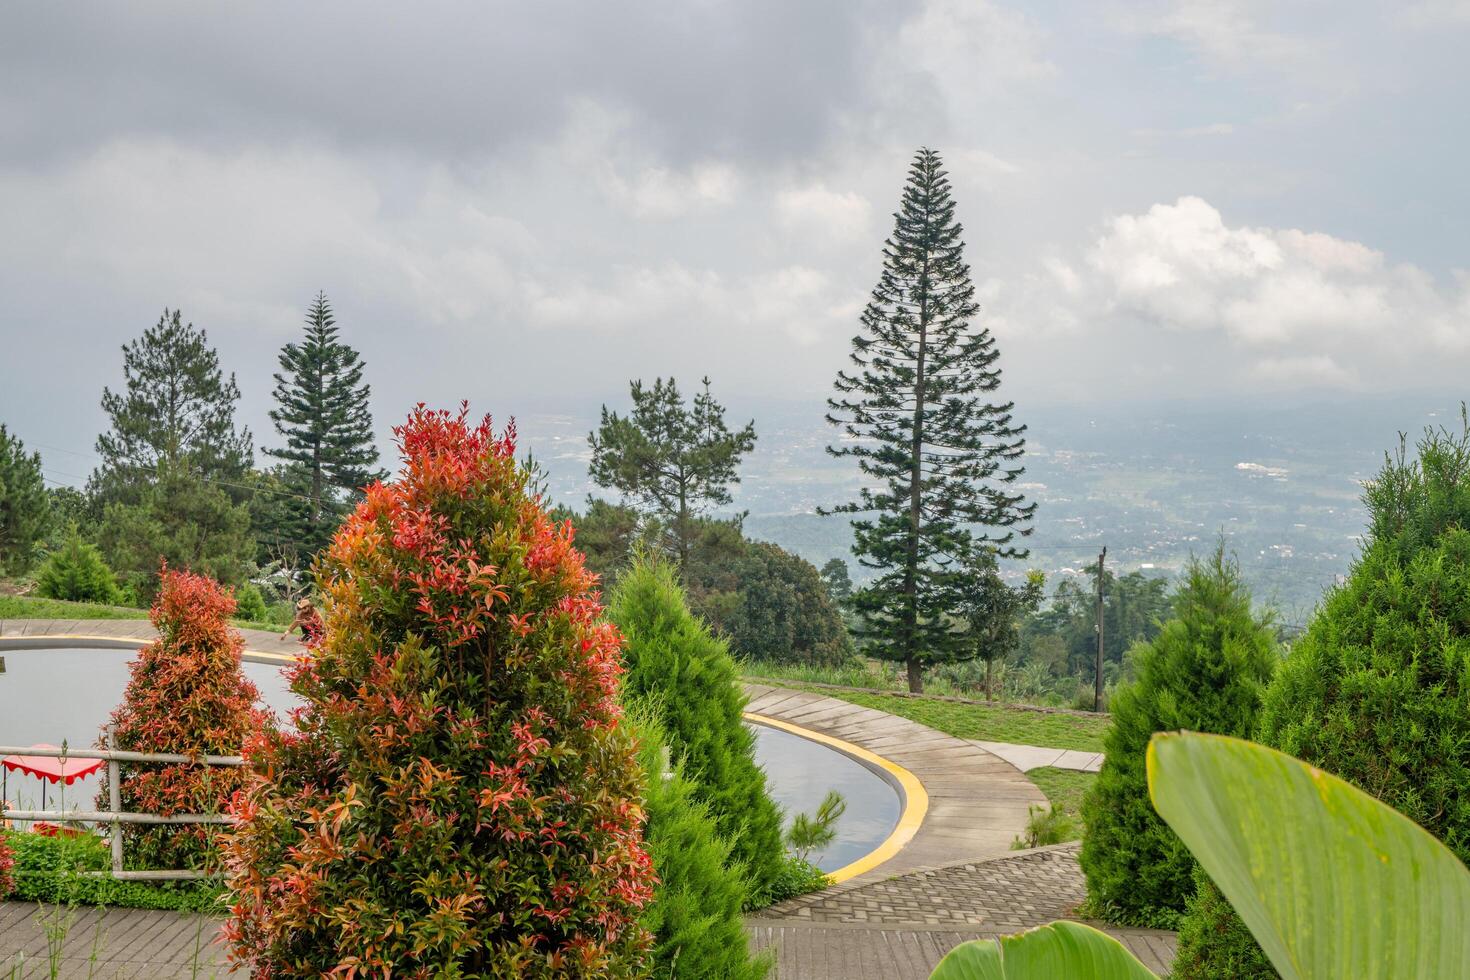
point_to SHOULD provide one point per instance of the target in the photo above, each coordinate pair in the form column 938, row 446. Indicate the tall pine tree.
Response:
column 936, row 456
column 174, row 475
column 177, row 409
column 322, row 413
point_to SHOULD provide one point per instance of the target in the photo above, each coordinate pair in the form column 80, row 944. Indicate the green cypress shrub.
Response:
column 695, row 916
column 250, row 604
column 77, row 573
column 1204, row 672
column 1213, row 942
column 673, row 660
column 1377, row 690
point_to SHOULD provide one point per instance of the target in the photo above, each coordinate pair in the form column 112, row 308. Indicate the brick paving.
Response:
column 1007, row 894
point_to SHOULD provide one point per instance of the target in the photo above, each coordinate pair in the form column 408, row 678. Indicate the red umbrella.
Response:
column 51, row 769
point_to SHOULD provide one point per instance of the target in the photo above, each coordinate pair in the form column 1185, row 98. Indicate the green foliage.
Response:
column 839, row 580
column 1331, row 882
column 1061, row 949
column 250, row 604
column 607, row 534
column 322, row 414
column 1045, row 825
column 937, row 458
column 674, row 459
column 25, row 510
column 1213, row 942
column 1204, row 672
column 50, row 870
column 77, row 573
column 795, row 877
column 813, row 831
column 770, row 604
column 1377, row 690
column 674, row 661
column 1064, row 789
column 695, row 915
column 989, row 612
column 181, row 519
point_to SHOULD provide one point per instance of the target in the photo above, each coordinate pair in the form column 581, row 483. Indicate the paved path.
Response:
column 1028, row 757
column 978, row 803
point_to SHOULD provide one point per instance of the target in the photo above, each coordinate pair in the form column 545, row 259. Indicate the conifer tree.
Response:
column 177, row 408
column 25, row 508
column 173, row 480
column 936, row 456
column 322, row 414
column 1204, row 672
column 675, row 459
column 676, row 664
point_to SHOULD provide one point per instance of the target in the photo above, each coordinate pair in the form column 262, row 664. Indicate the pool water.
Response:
column 67, row 694
column 799, row 772
column 51, row 695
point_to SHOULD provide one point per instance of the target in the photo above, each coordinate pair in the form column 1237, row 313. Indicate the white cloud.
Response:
column 843, row 214
column 1224, row 33
column 1307, row 370
column 1436, row 13
column 961, row 40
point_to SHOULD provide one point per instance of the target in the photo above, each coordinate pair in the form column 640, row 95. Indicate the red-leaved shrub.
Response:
column 459, row 798
column 7, row 861
column 186, row 696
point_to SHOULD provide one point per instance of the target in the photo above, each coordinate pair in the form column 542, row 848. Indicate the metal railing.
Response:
column 115, row 816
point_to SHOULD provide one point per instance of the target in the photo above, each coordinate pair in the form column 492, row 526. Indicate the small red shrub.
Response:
column 459, row 798
column 7, row 861
column 187, row 696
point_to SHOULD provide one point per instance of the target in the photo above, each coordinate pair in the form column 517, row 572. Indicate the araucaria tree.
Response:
column 460, row 797
column 25, row 509
column 1204, row 672
column 322, row 414
column 186, row 696
column 938, row 459
column 676, row 460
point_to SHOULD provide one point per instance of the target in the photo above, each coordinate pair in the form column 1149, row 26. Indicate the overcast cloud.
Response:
column 526, row 205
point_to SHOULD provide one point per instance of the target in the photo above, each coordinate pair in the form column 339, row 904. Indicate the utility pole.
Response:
column 1097, row 690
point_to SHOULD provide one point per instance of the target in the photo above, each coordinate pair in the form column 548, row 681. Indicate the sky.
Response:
column 528, row 205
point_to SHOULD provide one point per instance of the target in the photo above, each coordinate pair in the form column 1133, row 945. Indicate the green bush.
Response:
column 47, row 869
column 695, row 916
column 1204, row 672
column 674, row 661
column 1377, row 690
column 250, row 605
column 77, row 573
column 1213, row 942
column 796, row 877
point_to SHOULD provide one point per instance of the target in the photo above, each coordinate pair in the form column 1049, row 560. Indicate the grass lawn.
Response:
column 1064, row 788
column 991, row 723
column 33, row 607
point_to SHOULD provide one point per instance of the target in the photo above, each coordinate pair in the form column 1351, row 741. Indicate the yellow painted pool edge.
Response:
column 915, row 798
column 125, row 642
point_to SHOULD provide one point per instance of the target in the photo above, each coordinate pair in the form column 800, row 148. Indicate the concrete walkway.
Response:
column 1028, row 757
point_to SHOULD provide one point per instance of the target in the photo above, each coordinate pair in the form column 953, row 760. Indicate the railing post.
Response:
column 114, row 801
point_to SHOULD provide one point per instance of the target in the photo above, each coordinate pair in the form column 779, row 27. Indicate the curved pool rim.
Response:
column 913, row 799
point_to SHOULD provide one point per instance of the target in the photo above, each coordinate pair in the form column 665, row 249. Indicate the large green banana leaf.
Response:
column 1332, row 883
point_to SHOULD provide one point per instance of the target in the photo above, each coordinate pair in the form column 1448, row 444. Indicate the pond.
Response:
column 799, row 772
column 55, row 694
